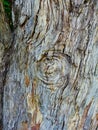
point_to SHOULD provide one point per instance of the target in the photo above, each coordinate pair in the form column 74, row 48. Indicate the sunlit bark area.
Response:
column 52, row 82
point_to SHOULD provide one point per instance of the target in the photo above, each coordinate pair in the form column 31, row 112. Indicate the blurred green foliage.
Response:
column 8, row 11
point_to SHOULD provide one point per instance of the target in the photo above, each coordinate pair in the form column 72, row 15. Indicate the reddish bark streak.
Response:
column 36, row 127
column 85, row 115
column 27, row 80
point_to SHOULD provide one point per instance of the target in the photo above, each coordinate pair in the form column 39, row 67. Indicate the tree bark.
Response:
column 52, row 82
column 5, row 45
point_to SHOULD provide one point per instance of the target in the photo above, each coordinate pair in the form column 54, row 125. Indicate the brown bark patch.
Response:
column 27, row 80
column 36, row 127
column 24, row 126
column 97, row 116
column 85, row 115
column 33, row 109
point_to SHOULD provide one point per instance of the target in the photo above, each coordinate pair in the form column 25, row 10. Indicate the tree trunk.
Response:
column 52, row 82
column 5, row 45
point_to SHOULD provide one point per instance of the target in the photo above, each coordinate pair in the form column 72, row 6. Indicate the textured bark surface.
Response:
column 52, row 82
column 5, row 43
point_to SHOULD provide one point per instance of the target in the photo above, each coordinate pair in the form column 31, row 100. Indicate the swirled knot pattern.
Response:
column 53, row 69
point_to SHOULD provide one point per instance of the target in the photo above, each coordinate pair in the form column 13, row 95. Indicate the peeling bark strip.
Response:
column 52, row 83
